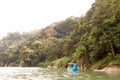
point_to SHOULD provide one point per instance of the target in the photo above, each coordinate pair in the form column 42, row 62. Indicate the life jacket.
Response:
column 74, row 68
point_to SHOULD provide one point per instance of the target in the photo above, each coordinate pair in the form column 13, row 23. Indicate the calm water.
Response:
column 19, row 73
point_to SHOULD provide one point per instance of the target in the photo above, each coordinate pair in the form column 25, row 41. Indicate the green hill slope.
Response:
column 92, row 41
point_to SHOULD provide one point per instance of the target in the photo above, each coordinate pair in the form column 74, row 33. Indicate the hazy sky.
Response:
column 28, row 15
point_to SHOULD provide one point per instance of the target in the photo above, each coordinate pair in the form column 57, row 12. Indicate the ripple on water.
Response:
column 33, row 73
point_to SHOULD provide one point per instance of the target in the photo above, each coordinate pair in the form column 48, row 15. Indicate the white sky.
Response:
column 28, row 15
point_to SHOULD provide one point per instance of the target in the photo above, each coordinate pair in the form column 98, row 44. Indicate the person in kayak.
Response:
column 72, row 67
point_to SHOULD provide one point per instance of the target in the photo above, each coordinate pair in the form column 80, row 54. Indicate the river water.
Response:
column 35, row 73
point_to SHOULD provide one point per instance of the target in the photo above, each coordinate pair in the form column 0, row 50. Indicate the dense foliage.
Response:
column 93, row 41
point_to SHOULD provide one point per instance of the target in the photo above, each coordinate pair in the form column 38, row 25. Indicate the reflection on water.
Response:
column 35, row 73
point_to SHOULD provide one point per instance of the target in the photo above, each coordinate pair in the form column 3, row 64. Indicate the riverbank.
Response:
column 112, row 68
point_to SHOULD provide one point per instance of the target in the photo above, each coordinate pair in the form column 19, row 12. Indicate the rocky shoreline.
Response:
column 111, row 68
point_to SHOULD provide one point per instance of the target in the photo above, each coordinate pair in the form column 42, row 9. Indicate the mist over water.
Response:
column 35, row 73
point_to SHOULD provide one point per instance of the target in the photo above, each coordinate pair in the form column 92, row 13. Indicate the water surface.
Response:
column 35, row 73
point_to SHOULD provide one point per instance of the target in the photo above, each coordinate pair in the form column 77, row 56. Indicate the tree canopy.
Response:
column 89, row 40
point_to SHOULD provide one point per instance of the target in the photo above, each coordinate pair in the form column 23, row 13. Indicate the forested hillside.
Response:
column 29, row 49
column 92, row 40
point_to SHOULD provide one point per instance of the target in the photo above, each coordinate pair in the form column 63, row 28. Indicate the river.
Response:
column 35, row 73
